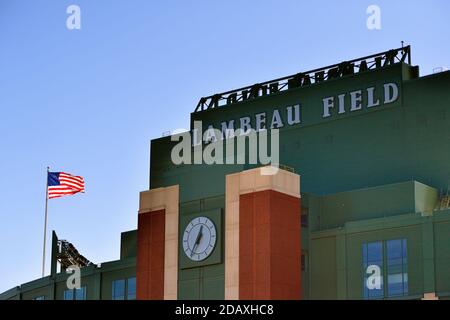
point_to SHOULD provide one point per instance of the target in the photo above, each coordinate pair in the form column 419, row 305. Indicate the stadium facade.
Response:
column 360, row 207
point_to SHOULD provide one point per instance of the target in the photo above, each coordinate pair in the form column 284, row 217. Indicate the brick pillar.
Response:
column 262, row 236
column 157, row 244
column 150, row 255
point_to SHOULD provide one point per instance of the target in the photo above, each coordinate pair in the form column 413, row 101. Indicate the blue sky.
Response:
column 88, row 101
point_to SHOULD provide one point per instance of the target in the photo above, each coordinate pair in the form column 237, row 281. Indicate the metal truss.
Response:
column 375, row 61
column 68, row 255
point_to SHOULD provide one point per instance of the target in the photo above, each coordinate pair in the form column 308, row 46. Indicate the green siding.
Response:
column 128, row 244
column 323, row 273
column 373, row 174
column 403, row 141
column 428, row 254
column 442, row 255
column 207, row 281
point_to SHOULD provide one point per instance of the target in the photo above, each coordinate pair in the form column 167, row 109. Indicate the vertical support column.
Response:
column 428, row 257
column 157, row 244
column 262, row 235
column 232, row 192
column 341, row 264
column 54, row 254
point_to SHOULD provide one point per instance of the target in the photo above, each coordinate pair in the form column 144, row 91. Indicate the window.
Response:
column 304, row 260
column 397, row 268
column 131, row 289
column 68, row 294
column 372, row 263
column 75, row 294
column 39, row 298
column 124, row 289
column 304, row 217
column 118, row 288
column 385, row 262
column 80, row 294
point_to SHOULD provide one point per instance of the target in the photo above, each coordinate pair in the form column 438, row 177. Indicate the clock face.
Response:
column 199, row 238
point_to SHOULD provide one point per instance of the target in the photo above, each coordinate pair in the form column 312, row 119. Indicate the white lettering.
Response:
column 276, row 120
column 356, row 99
column 245, row 125
column 210, row 135
column 328, row 103
column 181, row 152
column 293, row 119
column 341, row 99
column 370, row 98
column 228, row 130
column 260, row 121
column 390, row 93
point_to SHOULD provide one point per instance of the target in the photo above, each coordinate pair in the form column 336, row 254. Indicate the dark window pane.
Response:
column 118, row 287
column 395, row 284
column 68, row 294
column 304, row 217
column 80, row 294
column 131, row 289
column 394, row 251
column 397, row 267
column 375, row 252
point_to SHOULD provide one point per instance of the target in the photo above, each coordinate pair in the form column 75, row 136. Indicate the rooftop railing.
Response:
column 307, row 78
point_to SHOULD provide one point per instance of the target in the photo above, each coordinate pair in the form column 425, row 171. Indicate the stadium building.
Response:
column 359, row 208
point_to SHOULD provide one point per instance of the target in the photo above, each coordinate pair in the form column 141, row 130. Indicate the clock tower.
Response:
column 254, row 236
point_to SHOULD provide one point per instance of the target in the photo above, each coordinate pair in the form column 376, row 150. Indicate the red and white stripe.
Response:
column 69, row 185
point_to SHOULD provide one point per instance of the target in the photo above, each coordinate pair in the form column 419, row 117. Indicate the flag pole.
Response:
column 45, row 222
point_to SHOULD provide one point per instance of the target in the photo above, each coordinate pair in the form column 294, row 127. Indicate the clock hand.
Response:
column 197, row 240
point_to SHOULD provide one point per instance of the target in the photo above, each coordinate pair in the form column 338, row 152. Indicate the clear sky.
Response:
column 88, row 101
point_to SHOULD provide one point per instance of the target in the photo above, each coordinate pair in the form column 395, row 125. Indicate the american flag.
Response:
column 63, row 184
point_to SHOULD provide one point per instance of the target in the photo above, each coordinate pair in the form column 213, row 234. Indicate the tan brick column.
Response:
column 262, row 235
column 430, row 296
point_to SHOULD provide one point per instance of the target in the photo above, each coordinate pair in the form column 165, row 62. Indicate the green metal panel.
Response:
column 11, row 294
column 128, row 244
column 323, row 273
column 202, row 280
column 109, row 277
column 383, row 145
column 355, row 240
column 97, row 280
column 426, row 198
column 442, row 255
column 46, row 292
column 341, row 266
column 428, row 255
column 369, row 203
column 427, row 237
